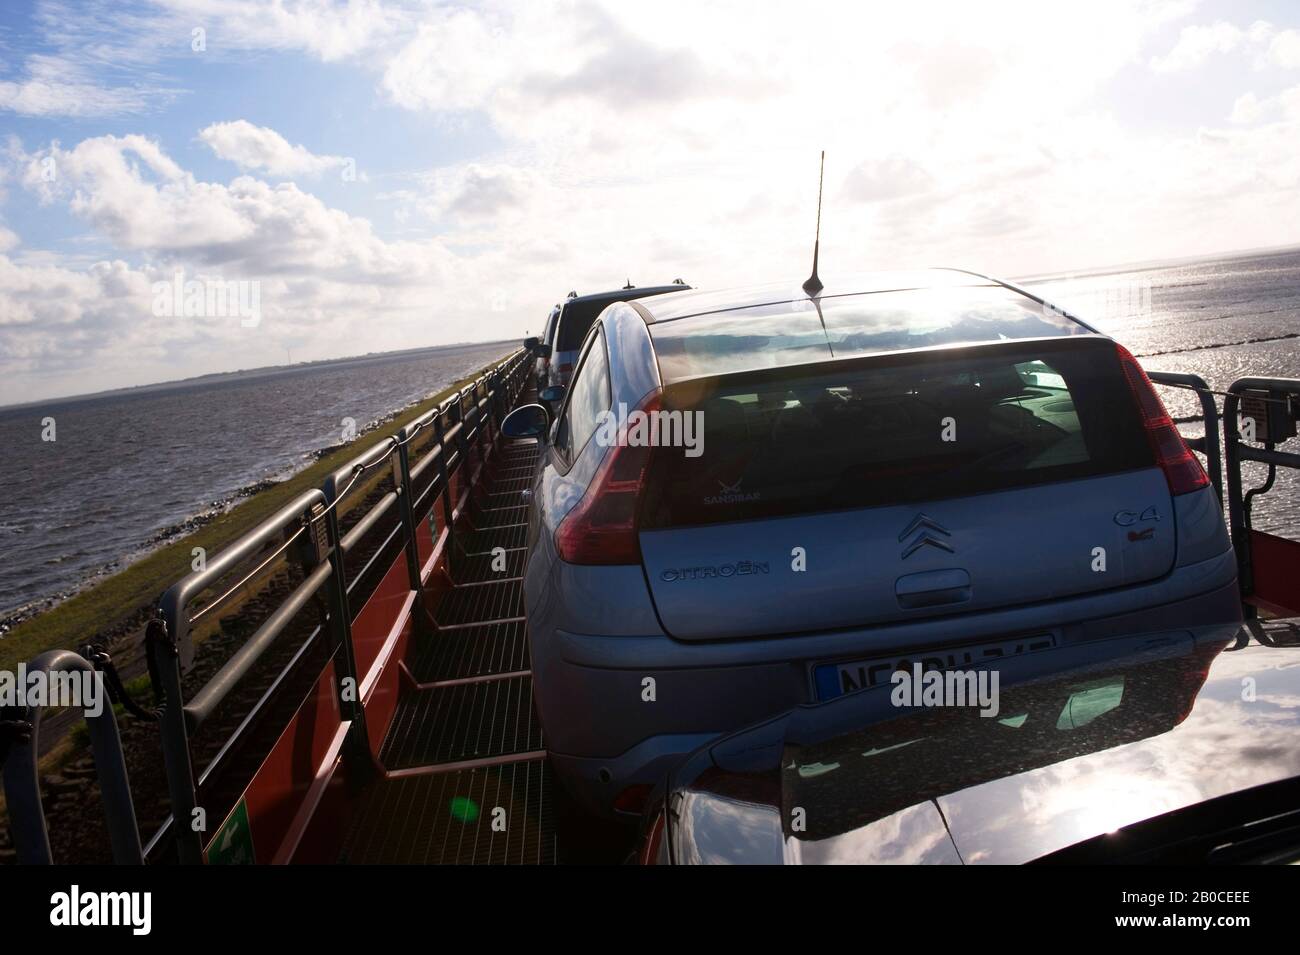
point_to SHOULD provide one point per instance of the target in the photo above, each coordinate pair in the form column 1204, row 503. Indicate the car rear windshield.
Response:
column 896, row 429
column 789, row 333
column 578, row 315
column 575, row 321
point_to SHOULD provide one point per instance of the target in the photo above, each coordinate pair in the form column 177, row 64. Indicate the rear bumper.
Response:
column 621, row 711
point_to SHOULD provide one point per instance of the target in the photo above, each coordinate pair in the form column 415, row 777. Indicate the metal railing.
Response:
column 314, row 522
column 1208, row 444
column 1274, row 403
column 22, row 778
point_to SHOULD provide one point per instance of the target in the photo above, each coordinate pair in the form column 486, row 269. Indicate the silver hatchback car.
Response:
column 754, row 499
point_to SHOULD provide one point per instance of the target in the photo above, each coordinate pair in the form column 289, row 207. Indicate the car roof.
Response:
column 778, row 326
column 705, row 302
column 623, row 294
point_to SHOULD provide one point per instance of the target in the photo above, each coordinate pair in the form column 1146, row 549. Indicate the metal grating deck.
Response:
column 446, row 818
column 502, row 499
column 489, row 518
column 477, row 568
column 473, row 651
column 450, row 724
column 480, row 603
column 479, row 709
column 482, row 542
column 521, row 450
column 512, row 484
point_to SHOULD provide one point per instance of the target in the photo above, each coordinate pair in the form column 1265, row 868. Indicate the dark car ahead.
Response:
column 1182, row 750
column 547, row 339
column 578, row 313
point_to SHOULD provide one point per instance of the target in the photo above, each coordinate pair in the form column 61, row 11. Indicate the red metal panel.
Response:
column 303, row 760
column 1275, row 564
column 322, row 786
column 276, row 794
column 380, row 691
column 424, row 539
column 372, row 627
column 323, row 836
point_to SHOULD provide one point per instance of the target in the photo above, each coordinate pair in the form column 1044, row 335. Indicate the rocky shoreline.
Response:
column 210, row 512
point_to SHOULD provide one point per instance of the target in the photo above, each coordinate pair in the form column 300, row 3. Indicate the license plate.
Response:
column 836, row 679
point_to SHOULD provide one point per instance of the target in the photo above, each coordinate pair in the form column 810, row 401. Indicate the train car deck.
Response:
column 391, row 715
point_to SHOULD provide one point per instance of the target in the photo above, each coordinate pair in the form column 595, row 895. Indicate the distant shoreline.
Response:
column 246, row 374
column 1123, row 268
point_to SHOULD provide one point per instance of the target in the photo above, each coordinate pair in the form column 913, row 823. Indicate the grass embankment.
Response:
column 115, row 599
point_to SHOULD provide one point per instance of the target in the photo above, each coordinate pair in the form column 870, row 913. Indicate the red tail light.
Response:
column 565, row 368
column 1182, row 469
column 633, row 799
column 601, row 528
column 649, row 854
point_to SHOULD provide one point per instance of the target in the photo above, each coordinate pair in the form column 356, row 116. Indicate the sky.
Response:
column 364, row 175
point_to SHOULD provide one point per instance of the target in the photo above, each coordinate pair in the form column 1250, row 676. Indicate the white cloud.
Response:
column 332, row 30
column 1250, row 109
column 263, row 149
column 105, row 57
column 327, row 282
column 889, row 178
column 478, row 193
column 56, row 86
column 133, row 194
column 458, row 59
column 1247, row 109
column 1197, row 43
column 1284, row 50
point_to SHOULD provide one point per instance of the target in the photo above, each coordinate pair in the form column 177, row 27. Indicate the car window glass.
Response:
column 589, row 397
column 1086, row 703
column 887, row 433
column 782, row 334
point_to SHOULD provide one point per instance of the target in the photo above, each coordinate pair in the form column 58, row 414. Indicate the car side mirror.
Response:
column 527, row 421
column 552, row 394
column 542, row 351
column 532, row 342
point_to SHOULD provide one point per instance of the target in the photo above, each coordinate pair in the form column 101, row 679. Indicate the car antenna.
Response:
column 814, row 285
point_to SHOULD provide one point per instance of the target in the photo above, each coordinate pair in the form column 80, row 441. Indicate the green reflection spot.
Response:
column 812, row 770
column 464, row 809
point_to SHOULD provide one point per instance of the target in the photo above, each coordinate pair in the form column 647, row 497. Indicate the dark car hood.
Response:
column 1070, row 757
